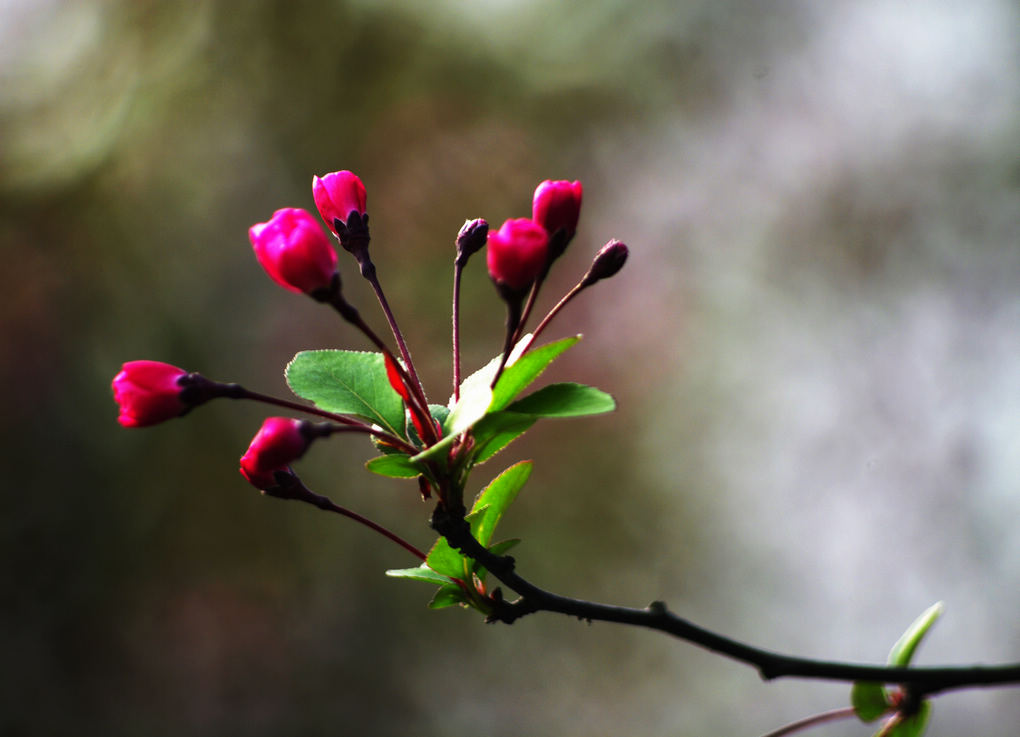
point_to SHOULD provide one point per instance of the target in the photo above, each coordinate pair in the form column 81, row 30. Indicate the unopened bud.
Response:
column 607, row 262
column 471, row 239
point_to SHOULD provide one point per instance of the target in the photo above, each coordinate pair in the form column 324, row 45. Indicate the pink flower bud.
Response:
column 294, row 251
column 337, row 195
column 278, row 443
column 557, row 204
column 148, row 392
column 516, row 253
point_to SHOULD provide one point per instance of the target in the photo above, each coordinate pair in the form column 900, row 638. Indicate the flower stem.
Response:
column 577, row 289
column 417, row 402
column 236, row 391
column 298, row 491
column 825, row 717
column 458, row 269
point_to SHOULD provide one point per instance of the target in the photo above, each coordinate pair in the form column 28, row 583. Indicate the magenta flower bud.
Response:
column 557, row 205
column 149, row 392
column 278, row 443
column 294, row 251
column 516, row 253
column 337, row 195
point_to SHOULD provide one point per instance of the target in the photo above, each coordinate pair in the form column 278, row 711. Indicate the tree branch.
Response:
column 917, row 682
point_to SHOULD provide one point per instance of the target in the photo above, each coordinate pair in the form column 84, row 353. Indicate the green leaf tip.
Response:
column 903, row 651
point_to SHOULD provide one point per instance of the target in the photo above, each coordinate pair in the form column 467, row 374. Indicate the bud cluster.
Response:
column 296, row 252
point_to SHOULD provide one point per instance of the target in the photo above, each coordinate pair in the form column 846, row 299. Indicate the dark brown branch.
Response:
column 770, row 665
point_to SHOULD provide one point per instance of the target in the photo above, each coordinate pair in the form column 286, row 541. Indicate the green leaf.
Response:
column 471, row 407
column 348, row 383
column 444, row 559
column 421, row 573
column 565, row 400
column 447, row 596
column 495, row 498
column 903, row 650
column 915, row 724
column 517, row 376
column 869, row 700
column 397, row 466
column 497, row 430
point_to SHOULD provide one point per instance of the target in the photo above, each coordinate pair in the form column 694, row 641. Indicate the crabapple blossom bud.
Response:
column 516, row 253
column 471, row 238
column 607, row 262
column 294, row 251
column 149, row 392
column 279, row 442
column 338, row 196
column 557, row 204
column 557, row 207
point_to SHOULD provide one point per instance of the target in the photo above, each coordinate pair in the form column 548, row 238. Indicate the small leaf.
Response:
column 565, row 400
column 397, row 466
column 444, row 559
column 495, row 498
column 869, row 700
column 497, row 430
column 447, row 596
column 914, row 725
column 471, row 407
column 421, row 573
column 348, row 383
column 903, row 651
column 526, row 369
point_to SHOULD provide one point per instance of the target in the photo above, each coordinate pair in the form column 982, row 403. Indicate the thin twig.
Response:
column 770, row 665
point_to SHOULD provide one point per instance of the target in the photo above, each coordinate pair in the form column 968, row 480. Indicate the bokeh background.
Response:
column 815, row 348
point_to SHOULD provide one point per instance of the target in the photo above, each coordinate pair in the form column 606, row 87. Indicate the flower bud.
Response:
column 516, row 253
column 557, row 204
column 279, row 442
column 337, row 196
column 294, row 251
column 556, row 207
column 149, row 392
column 471, row 238
column 607, row 262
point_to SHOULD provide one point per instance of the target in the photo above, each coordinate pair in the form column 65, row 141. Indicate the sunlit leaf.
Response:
column 398, row 466
column 495, row 498
column 421, row 573
column 526, row 369
column 565, row 400
column 497, row 430
column 348, row 383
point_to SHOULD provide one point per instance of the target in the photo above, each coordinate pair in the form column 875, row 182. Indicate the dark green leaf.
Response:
column 497, row 430
column 903, row 651
column 495, row 498
column 565, row 400
column 517, row 376
column 915, row 724
column 395, row 466
column 348, row 383
column 447, row 596
column 421, row 573
column 869, row 700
